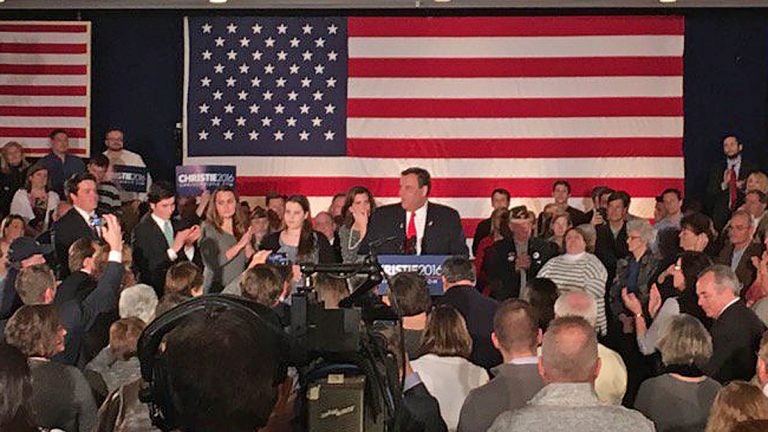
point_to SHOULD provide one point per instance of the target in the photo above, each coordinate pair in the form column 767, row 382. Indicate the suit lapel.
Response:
column 428, row 227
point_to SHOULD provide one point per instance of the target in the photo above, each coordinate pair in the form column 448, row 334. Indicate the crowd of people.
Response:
column 562, row 320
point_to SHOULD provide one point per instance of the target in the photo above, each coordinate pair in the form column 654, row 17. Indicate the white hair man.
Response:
column 569, row 365
column 736, row 330
column 611, row 383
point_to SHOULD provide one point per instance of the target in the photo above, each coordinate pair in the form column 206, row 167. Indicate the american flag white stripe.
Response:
column 498, row 88
column 44, row 83
column 589, row 127
column 48, row 80
column 513, row 47
column 451, row 168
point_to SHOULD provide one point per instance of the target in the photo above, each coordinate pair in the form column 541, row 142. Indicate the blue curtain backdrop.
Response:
column 138, row 74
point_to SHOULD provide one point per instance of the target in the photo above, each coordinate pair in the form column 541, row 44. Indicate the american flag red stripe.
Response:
column 515, row 26
column 486, row 102
column 517, row 148
column 520, row 108
column 45, row 83
column 515, row 67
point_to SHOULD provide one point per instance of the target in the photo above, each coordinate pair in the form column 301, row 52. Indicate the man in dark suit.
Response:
column 725, row 187
column 737, row 253
column 736, row 330
column 79, row 222
column 499, row 199
column 459, row 286
column 37, row 285
column 516, row 335
column 158, row 242
column 517, row 258
column 611, row 240
column 417, row 226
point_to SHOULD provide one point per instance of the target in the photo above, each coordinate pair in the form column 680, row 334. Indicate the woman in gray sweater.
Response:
column 225, row 243
column 680, row 399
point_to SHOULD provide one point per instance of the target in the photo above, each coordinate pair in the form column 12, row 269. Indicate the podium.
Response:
column 428, row 266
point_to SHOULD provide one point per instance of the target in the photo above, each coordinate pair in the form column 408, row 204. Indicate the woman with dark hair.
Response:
column 684, row 273
column 499, row 219
column 61, row 396
column 36, row 201
column 13, row 173
column 357, row 209
column 15, row 391
column 225, row 242
column 444, row 365
column 298, row 241
column 559, row 225
column 542, row 295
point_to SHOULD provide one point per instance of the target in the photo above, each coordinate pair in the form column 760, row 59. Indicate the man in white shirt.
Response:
column 415, row 225
column 157, row 244
column 119, row 155
column 80, row 221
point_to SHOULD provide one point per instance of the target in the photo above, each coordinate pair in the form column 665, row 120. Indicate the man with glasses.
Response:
column 740, row 248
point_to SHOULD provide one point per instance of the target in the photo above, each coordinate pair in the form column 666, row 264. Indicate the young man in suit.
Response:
column 418, row 226
column 499, row 199
column 80, row 221
column 477, row 310
column 736, row 330
column 157, row 243
column 725, row 188
column 740, row 248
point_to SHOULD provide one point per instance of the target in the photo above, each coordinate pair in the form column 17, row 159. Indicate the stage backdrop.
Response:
column 45, row 83
column 317, row 105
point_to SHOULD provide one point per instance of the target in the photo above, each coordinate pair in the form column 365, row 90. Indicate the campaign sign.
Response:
column 193, row 180
column 429, row 266
column 130, row 178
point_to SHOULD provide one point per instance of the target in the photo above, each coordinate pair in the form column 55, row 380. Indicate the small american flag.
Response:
column 480, row 102
column 45, row 83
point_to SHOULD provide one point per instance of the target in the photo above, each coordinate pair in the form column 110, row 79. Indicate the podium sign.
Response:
column 429, row 266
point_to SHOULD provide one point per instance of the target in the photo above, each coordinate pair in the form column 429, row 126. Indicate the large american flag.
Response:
column 317, row 105
column 45, row 83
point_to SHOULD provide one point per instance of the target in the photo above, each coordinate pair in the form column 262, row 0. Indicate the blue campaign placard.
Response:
column 429, row 266
column 130, row 178
column 193, row 180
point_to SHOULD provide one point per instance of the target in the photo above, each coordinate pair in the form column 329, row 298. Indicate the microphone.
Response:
column 382, row 241
column 337, row 268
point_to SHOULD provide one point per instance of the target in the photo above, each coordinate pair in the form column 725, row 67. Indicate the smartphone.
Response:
column 278, row 259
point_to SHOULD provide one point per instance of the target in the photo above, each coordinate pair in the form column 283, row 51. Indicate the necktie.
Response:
column 95, row 224
column 732, row 188
column 410, row 235
column 168, row 232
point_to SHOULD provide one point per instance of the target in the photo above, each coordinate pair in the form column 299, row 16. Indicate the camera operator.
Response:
column 223, row 371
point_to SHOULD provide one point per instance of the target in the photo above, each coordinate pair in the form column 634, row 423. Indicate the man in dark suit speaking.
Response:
column 415, row 225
